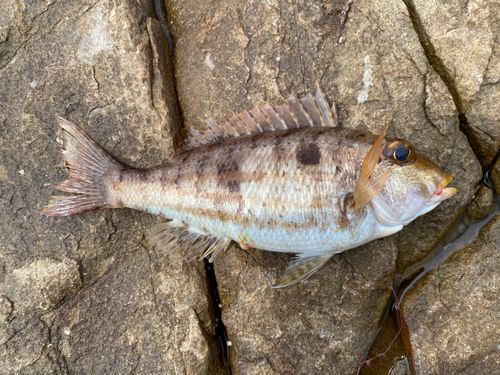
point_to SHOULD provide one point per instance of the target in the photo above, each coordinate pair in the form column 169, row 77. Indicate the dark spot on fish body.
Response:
column 228, row 175
column 122, row 175
column 177, row 178
column 308, row 154
column 338, row 169
column 200, row 168
column 143, row 176
column 278, row 153
column 233, row 186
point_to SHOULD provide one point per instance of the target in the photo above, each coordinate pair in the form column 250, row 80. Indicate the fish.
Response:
column 281, row 178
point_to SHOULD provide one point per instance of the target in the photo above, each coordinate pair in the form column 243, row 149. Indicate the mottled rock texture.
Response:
column 232, row 55
column 481, row 204
column 84, row 294
column 451, row 316
column 462, row 39
column 495, row 176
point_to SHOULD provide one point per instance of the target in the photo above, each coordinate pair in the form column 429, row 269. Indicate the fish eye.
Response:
column 400, row 152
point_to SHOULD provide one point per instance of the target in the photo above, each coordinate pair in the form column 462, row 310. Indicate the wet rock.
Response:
column 230, row 56
column 394, row 361
column 495, row 177
column 462, row 41
column 481, row 205
column 452, row 314
column 103, row 65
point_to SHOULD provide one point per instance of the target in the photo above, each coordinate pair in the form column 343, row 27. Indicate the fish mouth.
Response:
column 442, row 193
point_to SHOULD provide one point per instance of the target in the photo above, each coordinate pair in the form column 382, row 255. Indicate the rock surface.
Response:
column 495, row 176
column 451, row 316
column 232, row 55
column 462, row 39
column 323, row 325
column 481, row 205
column 84, row 294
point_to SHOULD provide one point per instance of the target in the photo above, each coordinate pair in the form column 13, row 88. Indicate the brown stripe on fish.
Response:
column 229, row 175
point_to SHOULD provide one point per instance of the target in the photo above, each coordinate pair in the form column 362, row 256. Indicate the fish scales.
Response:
column 310, row 188
column 251, row 189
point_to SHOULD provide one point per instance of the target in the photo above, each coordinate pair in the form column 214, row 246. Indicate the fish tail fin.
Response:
column 88, row 165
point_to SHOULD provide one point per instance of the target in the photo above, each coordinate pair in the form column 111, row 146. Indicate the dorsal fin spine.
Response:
column 325, row 109
column 209, row 129
column 303, row 109
column 255, row 122
column 274, row 117
column 293, row 113
column 229, row 128
column 242, row 122
column 269, row 122
column 218, row 131
column 320, row 112
column 283, row 122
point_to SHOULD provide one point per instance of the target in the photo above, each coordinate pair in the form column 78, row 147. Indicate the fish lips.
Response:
column 442, row 192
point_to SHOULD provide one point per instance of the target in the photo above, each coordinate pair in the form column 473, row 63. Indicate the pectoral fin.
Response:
column 184, row 244
column 369, row 187
column 302, row 268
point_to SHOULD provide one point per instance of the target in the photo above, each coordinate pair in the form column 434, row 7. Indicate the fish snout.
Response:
column 442, row 193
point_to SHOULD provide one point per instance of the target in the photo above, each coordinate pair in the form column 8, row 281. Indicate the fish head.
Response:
column 416, row 185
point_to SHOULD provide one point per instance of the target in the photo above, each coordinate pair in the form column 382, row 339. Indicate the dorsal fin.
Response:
column 293, row 113
column 184, row 244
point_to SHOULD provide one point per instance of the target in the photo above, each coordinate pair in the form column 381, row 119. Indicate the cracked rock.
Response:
column 231, row 56
column 463, row 43
column 495, row 176
column 452, row 315
column 481, row 205
column 83, row 294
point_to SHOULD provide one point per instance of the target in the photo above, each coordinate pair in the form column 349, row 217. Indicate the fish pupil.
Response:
column 401, row 153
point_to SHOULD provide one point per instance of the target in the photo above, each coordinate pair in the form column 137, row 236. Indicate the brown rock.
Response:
column 481, row 205
column 452, row 315
column 230, row 56
column 137, row 317
column 103, row 66
column 462, row 41
column 494, row 177
column 323, row 325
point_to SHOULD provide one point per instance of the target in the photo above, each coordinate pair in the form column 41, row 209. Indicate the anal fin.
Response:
column 186, row 245
column 302, row 268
